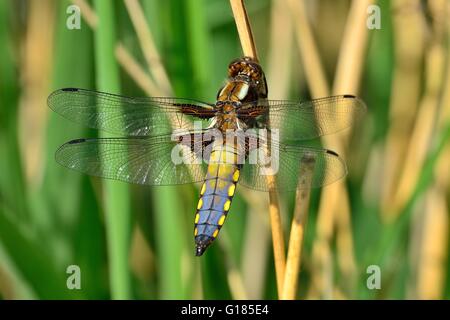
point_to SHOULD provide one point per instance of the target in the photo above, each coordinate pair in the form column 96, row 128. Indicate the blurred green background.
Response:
column 135, row 242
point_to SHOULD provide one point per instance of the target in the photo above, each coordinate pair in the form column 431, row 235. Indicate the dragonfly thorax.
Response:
column 227, row 120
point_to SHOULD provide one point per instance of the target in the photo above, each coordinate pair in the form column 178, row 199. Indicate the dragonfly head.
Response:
column 248, row 69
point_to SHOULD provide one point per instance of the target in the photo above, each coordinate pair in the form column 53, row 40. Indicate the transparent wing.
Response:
column 126, row 115
column 148, row 161
column 289, row 164
column 308, row 119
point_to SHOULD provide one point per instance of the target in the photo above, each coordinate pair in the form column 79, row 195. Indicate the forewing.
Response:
column 128, row 116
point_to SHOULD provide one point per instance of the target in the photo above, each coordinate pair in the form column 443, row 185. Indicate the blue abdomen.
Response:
column 215, row 197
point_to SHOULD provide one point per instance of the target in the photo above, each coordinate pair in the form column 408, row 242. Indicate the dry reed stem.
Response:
column 347, row 77
column 433, row 249
column 277, row 235
column 249, row 50
column 431, row 268
column 147, row 45
column 406, row 88
column 298, row 227
column 318, row 85
column 352, row 52
column 279, row 67
column 293, row 261
column 35, row 67
column 125, row 59
column 132, row 67
column 349, row 68
column 244, row 28
column 417, row 150
column 311, row 61
column 423, row 130
column 161, row 81
column 442, row 175
column 87, row 13
column 346, row 81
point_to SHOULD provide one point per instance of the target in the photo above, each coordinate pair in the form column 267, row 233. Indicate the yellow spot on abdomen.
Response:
column 200, row 203
column 231, row 190
column 236, row 175
column 202, row 191
column 226, row 206
column 197, row 217
column 216, row 232
column 222, row 220
column 195, row 231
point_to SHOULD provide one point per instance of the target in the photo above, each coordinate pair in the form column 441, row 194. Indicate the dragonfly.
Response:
column 173, row 141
